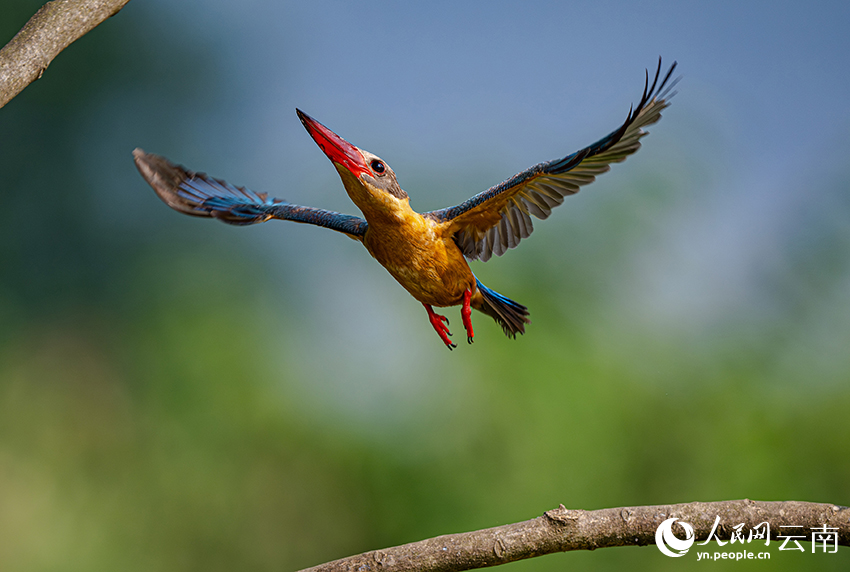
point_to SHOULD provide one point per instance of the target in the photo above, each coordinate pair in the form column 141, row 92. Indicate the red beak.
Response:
column 335, row 147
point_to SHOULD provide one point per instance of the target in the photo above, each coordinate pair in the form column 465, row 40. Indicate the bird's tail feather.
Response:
column 511, row 315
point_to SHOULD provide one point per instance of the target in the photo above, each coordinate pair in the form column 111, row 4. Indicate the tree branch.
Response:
column 562, row 529
column 53, row 28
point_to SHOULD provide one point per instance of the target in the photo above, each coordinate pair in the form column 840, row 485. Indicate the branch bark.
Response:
column 562, row 529
column 52, row 29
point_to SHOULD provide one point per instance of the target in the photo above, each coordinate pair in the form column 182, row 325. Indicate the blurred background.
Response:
column 178, row 394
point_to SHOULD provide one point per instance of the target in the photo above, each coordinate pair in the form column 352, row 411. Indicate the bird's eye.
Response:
column 378, row 166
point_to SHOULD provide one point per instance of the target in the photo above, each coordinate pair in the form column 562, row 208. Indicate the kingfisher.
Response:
column 427, row 253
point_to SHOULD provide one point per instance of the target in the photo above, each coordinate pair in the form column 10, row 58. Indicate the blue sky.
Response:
column 468, row 93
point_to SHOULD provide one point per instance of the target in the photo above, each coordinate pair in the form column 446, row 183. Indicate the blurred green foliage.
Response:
column 160, row 406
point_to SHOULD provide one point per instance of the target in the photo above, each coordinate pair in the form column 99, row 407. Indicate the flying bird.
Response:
column 427, row 253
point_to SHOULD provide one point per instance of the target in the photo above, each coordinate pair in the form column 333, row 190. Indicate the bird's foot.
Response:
column 466, row 315
column 441, row 325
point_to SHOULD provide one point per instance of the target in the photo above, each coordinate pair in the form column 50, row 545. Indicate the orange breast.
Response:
column 425, row 263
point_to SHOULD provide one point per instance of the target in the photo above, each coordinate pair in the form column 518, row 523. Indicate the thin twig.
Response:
column 562, row 529
column 52, row 29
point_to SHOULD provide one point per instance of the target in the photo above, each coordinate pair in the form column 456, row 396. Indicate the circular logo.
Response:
column 667, row 542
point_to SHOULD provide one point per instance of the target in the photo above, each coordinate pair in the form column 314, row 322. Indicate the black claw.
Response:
column 469, row 339
column 451, row 346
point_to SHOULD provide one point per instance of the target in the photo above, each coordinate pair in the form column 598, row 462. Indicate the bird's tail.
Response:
column 509, row 314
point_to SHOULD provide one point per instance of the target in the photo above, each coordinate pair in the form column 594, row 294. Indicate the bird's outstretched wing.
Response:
column 198, row 194
column 495, row 220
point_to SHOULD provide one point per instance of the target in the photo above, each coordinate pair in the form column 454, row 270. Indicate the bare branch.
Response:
column 53, row 28
column 562, row 529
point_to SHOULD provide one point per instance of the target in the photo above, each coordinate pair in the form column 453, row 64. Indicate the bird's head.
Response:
column 369, row 181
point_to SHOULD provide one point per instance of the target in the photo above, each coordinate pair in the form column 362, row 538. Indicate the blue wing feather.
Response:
column 198, row 194
column 497, row 219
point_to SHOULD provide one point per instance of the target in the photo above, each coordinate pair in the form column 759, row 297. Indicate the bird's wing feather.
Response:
column 198, row 194
column 497, row 219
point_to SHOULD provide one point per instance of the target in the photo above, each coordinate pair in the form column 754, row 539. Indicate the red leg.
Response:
column 466, row 314
column 441, row 324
